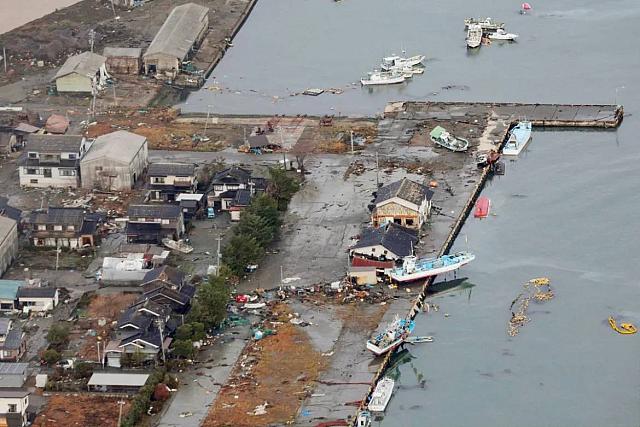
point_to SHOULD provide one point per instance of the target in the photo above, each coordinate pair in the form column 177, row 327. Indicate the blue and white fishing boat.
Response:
column 394, row 335
column 419, row 268
column 518, row 138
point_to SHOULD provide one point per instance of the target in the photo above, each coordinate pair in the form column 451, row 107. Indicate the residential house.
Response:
column 192, row 205
column 8, row 242
column 52, row 161
column 225, row 184
column 8, row 211
column 82, row 73
column 123, row 60
column 167, row 180
column 115, row 161
column 125, row 383
column 37, row 299
column 12, row 342
column 152, row 223
column 177, row 39
column 166, row 285
column 259, row 144
column 124, row 271
column 241, row 201
column 63, row 228
column 403, row 202
column 13, row 407
column 388, row 242
column 12, row 375
column 128, row 4
column 9, row 293
column 155, row 255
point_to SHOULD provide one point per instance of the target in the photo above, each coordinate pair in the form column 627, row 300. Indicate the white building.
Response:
column 13, row 407
column 115, row 161
column 52, row 161
column 37, row 299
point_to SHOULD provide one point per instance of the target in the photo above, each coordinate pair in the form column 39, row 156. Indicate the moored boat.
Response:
column 383, row 78
column 501, row 34
column 486, row 24
column 483, row 206
column 395, row 61
column 394, row 335
column 474, row 36
column 381, row 395
column 519, row 137
column 443, row 138
column 419, row 268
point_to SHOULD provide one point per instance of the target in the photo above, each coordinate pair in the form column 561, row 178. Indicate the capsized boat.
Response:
column 419, row 268
column 487, row 24
column 383, row 78
column 392, row 61
column 443, row 138
column 180, row 245
column 474, row 36
column 501, row 34
column 624, row 328
column 381, row 395
column 518, row 138
column 483, row 206
column 394, row 335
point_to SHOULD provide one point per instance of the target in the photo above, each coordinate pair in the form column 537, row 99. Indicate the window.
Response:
column 98, row 168
column 33, row 181
column 32, row 171
column 46, row 172
column 33, row 155
column 57, row 228
column 157, row 180
column 42, row 227
column 12, row 407
column 72, row 156
column 67, row 172
column 409, row 222
column 397, row 220
column 70, row 228
column 165, row 222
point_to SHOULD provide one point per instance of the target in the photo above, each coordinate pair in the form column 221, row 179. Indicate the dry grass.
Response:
column 285, row 366
column 73, row 410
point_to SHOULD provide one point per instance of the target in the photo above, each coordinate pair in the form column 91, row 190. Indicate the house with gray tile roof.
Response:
column 403, row 202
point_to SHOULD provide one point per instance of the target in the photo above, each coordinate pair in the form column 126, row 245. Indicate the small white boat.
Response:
column 364, row 419
column 418, row 340
column 393, row 336
column 392, row 61
column 474, row 36
column 518, row 139
column 486, row 24
column 383, row 78
column 178, row 246
column 501, row 34
column 381, row 395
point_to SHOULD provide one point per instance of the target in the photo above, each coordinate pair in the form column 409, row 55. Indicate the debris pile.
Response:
column 538, row 289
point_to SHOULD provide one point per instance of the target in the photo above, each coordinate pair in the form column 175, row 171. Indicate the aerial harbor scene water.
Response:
column 319, row 213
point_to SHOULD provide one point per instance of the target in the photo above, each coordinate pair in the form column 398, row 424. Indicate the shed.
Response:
column 123, row 60
column 363, row 275
column 41, row 380
column 8, row 293
column 37, row 299
column 115, row 161
column 117, row 382
column 183, row 30
column 81, row 72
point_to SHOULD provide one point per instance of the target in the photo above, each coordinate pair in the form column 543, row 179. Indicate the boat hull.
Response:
column 449, row 147
column 482, row 208
column 390, row 81
column 381, row 395
column 424, row 274
column 380, row 351
column 518, row 140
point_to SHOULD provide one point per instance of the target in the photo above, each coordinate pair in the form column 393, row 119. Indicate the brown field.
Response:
column 69, row 410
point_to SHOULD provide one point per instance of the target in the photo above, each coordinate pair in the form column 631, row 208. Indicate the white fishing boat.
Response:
column 407, row 71
column 381, row 395
column 501, row 34
column 474, row 36
column 180, row 245
column 487, row 24
column 444, row 139
column 383, row 78
column 418, row 340
column 519, row 137
column 395, row 334
column 392, row 61
column 420, row 268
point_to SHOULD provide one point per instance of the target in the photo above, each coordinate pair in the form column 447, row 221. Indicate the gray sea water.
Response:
column 565, row 209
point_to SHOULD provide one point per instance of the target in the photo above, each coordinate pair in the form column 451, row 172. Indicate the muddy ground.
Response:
column 74, row 410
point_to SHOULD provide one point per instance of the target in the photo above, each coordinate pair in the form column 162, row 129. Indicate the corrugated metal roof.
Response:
column 120, row 145
column 86, row 64
column 9, row 368
column 47, row 292
column 54, row 143
column 6, row 225
column 134, row 380
column 179, row 31
column 9, row 289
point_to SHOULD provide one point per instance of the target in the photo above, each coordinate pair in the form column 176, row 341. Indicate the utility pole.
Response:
column 219, row 257
column 115, row 99
column 377, row 170
column 352, row 152
column 114, row 9
column 281, row 277
column 121, row 404
column 98, row 345
column 207, row 121
column 57, row 254
column 160, row 328
column 92, row 38
column 4, row 56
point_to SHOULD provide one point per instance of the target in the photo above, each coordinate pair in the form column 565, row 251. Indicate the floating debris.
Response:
column 538, row 289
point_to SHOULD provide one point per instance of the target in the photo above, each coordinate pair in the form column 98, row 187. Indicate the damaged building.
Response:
column 82, row 73
column 403, row 202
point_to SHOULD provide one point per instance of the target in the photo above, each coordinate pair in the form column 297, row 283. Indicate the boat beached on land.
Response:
column 381, row 395
column 444, row 139
column 394, row 335
column 420, row 268
column 519, row 137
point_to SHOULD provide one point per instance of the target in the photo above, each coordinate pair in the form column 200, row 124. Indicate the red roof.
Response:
column 363, row 262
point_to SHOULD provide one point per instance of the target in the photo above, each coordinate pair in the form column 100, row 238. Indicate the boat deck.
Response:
column 552, row 115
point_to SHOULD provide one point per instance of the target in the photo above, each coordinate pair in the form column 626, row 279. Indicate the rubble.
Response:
column 538, row 289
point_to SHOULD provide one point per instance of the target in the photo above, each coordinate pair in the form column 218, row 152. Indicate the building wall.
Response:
column 110, row 174
column 56, row 179
column 21, row 405
column 39, row 304
column 8, row 248
column 375, row 252
column 123, row 65
column 162, row 63
column 401, row 212
column 74, row 83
